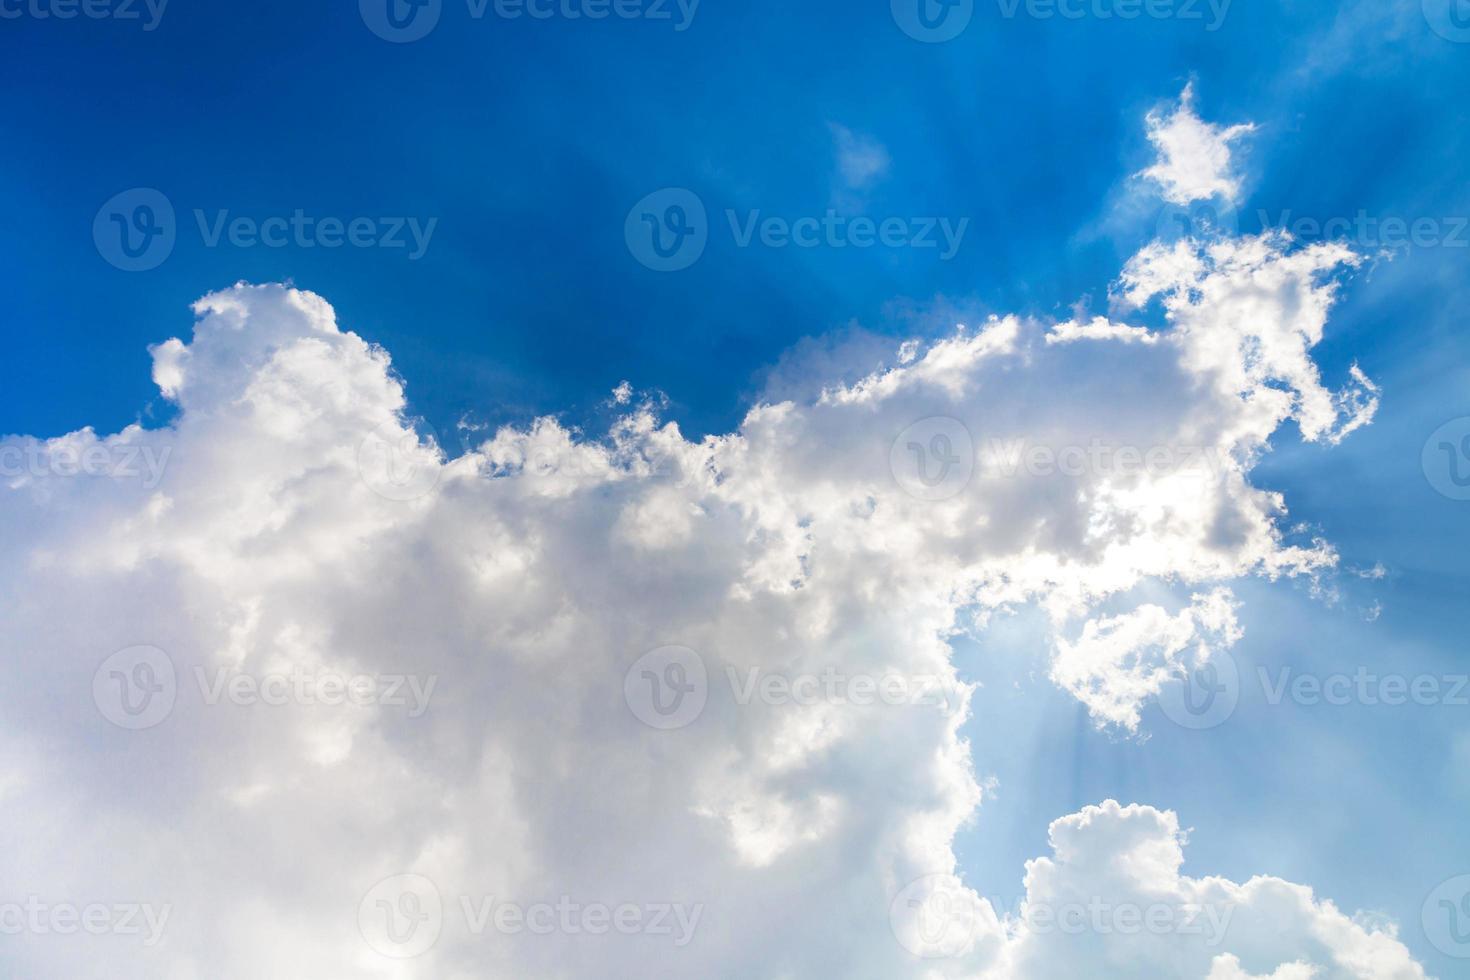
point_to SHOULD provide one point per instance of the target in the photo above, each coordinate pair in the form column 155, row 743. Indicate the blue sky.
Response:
column 527, row 142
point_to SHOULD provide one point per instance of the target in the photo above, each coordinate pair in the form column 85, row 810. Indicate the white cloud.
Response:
column 1194, row 156
column 1111, row 901
column 303, row 525
column 1118, row 662
column 1098, row 328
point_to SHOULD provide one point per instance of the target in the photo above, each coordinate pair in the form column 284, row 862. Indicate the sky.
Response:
column 518, row 362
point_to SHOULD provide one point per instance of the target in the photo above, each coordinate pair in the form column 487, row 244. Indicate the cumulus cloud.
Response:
column 1194, row 155
column 615, row 705
column 1111, row 901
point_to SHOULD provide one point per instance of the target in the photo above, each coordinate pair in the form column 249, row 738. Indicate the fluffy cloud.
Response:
column 618, row 705
column 1194, row 155
column 1111, row 901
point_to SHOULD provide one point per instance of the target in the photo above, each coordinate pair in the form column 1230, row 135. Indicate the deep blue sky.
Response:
column 529, row 142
